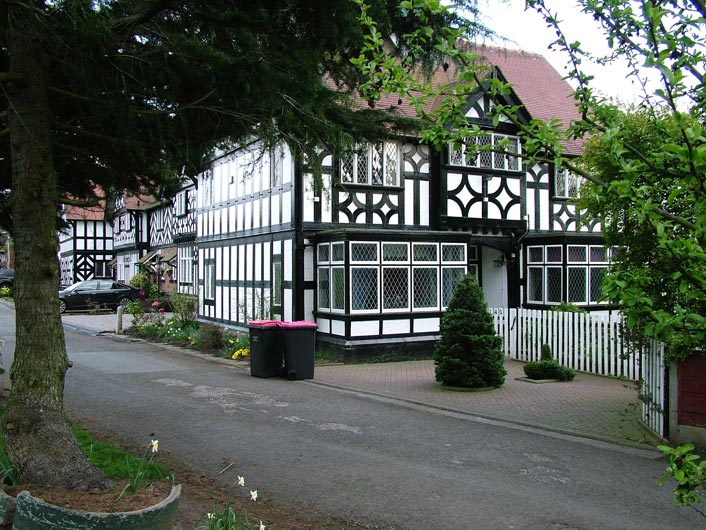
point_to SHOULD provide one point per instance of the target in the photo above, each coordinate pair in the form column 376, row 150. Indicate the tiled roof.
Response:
column 540, row 88
column 87, row 213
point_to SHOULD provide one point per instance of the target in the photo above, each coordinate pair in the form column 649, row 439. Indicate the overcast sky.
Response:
column 530, row 33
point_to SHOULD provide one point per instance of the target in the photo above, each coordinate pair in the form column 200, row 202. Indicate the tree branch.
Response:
column 136, row 19
column 11, row 77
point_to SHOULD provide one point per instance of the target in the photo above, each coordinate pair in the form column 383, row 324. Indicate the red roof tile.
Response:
column 540, row 88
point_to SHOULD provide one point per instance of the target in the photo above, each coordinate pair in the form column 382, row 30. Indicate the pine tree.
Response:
column 469, row 353
column 130, row 95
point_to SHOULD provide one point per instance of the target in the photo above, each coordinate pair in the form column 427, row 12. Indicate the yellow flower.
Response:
column 155, row 445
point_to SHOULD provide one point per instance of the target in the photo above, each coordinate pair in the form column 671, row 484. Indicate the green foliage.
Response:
column 134, row 308
column 184, row 307
column 568, row 307
column 546, row 354
column 469, row 352
column 229, row 518
column 5, row 292
column 548, row 369
column 689, row 472
column 233, row 342
column 114, row 462
column 646, row 166
column 142, row 280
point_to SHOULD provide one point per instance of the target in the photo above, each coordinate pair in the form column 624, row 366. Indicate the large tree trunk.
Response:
column 38, row 436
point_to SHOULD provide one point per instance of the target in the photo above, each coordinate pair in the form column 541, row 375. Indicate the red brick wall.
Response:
column 692, row 391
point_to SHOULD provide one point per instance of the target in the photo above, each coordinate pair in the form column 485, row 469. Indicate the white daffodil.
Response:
column 253, row 495
column 155, row 445
column 262, row 526
column 241, row 481
column 211, row 515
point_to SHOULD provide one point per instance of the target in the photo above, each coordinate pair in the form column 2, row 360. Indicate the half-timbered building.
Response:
column 131, row 238
column 85, row 245
column 373, row 252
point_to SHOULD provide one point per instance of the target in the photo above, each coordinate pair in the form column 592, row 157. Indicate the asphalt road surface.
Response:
column 376, row 461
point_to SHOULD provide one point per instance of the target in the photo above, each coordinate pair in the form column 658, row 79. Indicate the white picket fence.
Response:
column 586, row 342
column 653, row 389
column 589, row 342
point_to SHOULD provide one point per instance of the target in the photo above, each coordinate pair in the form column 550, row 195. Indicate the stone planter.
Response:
column 7, row 509
column 34, row 514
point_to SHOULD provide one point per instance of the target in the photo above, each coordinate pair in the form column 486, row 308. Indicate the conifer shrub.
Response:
column 469, row 352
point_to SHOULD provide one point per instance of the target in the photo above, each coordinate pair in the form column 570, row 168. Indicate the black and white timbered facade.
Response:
column 374, row 252
column 130, row 234
column 85, row 245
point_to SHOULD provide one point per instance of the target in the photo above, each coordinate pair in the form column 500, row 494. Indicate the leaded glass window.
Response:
column 425, row 287
column 324, row 287
column 488, row 151
column 364, row 288
column 395, row 287
column 450, row 278
column 375, row 164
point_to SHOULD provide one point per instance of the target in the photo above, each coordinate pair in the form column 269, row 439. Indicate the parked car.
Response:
column 7, row 277
column 92, row 294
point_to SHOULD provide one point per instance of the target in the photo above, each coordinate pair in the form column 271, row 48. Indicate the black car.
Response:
column 7, row 277
column 93, row 294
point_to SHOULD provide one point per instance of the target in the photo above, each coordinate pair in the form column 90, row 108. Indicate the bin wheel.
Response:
column 292, row 375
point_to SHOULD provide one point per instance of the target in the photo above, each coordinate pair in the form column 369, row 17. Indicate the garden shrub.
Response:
column 184, row 307
column 5, row 292
column 469, row 352
column 548, row 369
column 546, row 354
column 211, row 337
column 142, row 280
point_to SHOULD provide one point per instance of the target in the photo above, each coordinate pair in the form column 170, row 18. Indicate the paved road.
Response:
column 369, row 459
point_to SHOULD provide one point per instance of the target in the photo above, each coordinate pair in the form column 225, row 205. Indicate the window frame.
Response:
column 209, row 280
column 568, row 189
column 458, row 154
column 368, row 149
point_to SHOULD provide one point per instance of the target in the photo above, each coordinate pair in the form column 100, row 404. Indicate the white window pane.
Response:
column 554, row 285
column 425, row 252
column 577, row 254
column 453, row 253
column 395, row 288
column 425, row 287
column 364, row 252
column 338, row 288
column 577, row 285
column 395, row 252
column 364, row 288
column 535, row 255
column 450, row 278
column 554, row 254
column 535, row 284
column 324, row 287
column 597, row 275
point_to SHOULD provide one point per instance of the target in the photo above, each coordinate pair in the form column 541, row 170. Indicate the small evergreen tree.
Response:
column 469, row 353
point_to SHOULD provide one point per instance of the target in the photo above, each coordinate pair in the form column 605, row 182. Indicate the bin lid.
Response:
column 263, row 323
column 299, row 324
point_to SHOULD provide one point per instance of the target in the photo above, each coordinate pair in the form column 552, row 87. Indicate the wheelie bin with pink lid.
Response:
column 299, row 340
column 265, row 348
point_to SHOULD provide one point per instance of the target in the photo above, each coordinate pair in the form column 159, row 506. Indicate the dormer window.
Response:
column 488, row 151
column 375, row 164
column 566, row 183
